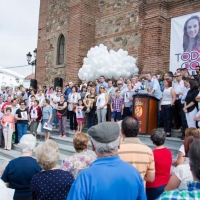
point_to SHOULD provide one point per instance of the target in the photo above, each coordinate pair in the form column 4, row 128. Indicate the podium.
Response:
column 145, row 109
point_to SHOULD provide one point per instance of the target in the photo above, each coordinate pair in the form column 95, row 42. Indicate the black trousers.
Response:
column 177, row 113
column 16, row 134
column 73, row 122
column 184, row 121
column 166, row 111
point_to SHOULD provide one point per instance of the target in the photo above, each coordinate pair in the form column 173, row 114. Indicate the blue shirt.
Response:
column 108, row 178
column 100, row 84
column 154, row 85
column 19, row 173
column 67, row 92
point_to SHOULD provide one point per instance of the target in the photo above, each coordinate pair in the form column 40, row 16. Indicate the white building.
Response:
column 10, row 78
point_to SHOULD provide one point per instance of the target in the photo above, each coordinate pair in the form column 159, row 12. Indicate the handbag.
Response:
column 59, row 115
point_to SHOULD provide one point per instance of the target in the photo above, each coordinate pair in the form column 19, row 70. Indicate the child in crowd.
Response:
column 117, row 107
column 79, row 115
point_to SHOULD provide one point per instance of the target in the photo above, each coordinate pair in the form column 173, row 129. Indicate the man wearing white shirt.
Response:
column 124, row 85
column 83, row 83
column 178, row 87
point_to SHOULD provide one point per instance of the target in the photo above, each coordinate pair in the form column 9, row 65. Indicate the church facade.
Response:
column 69, row 28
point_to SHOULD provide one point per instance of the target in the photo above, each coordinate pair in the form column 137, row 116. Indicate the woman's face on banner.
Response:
column 192, row 28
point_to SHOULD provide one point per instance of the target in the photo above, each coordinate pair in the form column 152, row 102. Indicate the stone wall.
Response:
column 142, row 27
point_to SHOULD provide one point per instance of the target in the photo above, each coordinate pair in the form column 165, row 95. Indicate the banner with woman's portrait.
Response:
column 185, row 42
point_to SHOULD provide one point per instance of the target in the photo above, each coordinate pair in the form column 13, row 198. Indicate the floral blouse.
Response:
column 76, row 163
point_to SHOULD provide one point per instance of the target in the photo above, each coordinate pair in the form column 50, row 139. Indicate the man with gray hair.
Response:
column 193, row 190
column 108, row 177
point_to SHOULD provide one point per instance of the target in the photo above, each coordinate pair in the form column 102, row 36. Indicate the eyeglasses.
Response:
column 59, row 91
column 101, row 87
column 119, row 84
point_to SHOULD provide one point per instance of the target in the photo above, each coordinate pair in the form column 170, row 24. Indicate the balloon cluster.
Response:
column 111, row 64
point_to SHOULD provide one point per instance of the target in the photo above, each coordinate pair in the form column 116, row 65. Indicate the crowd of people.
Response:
column 122, row 166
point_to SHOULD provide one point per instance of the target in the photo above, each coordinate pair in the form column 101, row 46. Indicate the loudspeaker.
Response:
column 33, row 83
column 58, row 82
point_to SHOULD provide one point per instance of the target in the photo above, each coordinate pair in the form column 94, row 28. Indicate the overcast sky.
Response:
column 18, row 32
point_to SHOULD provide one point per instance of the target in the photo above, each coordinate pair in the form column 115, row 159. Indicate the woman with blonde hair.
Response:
column 51, row 182
column 181, row 159
column 81, row 159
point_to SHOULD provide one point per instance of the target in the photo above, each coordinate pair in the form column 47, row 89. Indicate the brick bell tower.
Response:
column 66, row 33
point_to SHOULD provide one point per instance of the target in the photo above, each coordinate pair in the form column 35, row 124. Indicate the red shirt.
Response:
column 163, row 162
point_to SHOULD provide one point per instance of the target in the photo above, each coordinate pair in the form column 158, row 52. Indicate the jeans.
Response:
column 62, row 125
column 91, row 118
column 73, row 122
column 101, row 115
column 167, row 116
column 55, row 119
column 16, row 134
column 154, row 193
column 22, row 130
column 126, row 112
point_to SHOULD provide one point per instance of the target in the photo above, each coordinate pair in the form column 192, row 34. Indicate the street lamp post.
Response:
column 32, row 63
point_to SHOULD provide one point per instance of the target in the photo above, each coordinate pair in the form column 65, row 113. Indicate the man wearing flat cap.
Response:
column 108, row 177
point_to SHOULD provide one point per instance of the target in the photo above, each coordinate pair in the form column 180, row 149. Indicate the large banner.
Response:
column 185, row 42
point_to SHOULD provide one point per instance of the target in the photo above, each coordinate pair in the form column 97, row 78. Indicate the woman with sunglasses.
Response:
column 22, row 118
column 62, row 120
column 101, row 103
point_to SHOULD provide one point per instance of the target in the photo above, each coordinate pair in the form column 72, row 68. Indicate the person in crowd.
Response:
column 182, row 173
column 32, row 100
column 62, row 116
column 183, row 116
column 101, row 104
column 35, row 115
column 25, row 96
column 40, row 96
column 133, row 151
column 111, row 93
column 81, row 159
column 79, row 115
column 192, row 190
column 143, row 84
column 22, row 118
column 137, row 82
column 47, row 114
column 8, row 123
column 121, row 79
column 134, row 83
column 166, row 105
column 96, row 82
column 128, row 101
column 89, row 102
column 54, row 101
column 163, row 161
column 117, row 107
column 181, row 158
column 83, row 83
column 153, row 86
column 51, row 182
column 190, row 106
column 1, row 128
column 128, row 81
column 73, row 98
column 121, row 88
column 50, row 93
column 178, row 88
column 191, row 35
column 83, row 92
column 6, row 104
column 19, row 172
column 101, row 83
column 1, row 102
column 92, row 185
column 14, row 107
column 68, row 91
column 17, row 91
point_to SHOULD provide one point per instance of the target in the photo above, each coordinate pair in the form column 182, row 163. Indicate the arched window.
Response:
column 61, row 50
